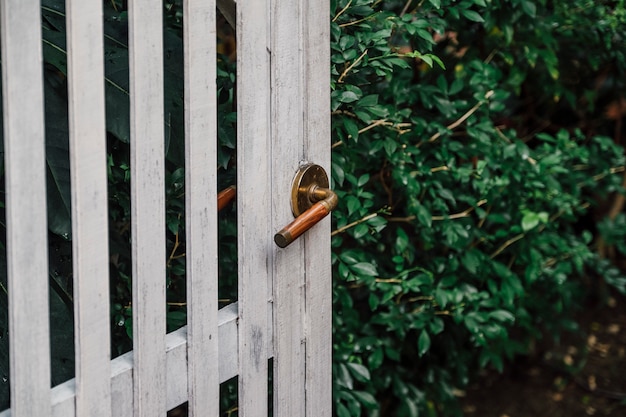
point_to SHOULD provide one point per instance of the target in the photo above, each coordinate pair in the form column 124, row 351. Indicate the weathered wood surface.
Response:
column 287, row 153
column 302, row 274
column 88, row 162
column 199, row 33
column 145, row 25
column 317, row 256
column 121, row 376
column 284, row 310
column 26, row 239
column 253, row 203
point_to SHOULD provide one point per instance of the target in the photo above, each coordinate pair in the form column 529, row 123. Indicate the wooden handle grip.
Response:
column 302, row 223
column 225, row 196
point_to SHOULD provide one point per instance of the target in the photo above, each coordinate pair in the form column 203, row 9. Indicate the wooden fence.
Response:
column 284, row 307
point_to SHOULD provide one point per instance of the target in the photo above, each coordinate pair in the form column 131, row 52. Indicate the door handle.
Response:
column 225, row 196
column 311, row 201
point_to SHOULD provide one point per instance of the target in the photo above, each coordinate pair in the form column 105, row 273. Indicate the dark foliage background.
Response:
column 477, row 154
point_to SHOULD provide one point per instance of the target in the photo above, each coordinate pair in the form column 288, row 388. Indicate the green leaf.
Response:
column 348, row 97
column 360, row 231
column 530, row 220
column 472, row 15
column 423, row 215
column 366, row 399
column 338, row 173
column 375, row 360
column 364, row 269
column 342, row 410
column 529, row 8
column 359, row 372
column 368, row 101
column 343, row 377
column 423, row 343
column 470, row 261
column 351, row 128
column 502, row 315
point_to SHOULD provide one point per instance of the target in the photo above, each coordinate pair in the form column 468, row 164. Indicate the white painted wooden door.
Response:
column 284, row 121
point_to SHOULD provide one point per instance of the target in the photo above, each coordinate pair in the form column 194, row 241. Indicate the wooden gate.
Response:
column 284, row 307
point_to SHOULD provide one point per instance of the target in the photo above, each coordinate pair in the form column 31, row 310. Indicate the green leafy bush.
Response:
column 470, row 149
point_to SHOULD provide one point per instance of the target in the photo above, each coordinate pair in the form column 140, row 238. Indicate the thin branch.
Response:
column 443, row 313
column 405, row 8
column 381, row 122
column 174, row 249
column 420, row 298
column 355, row 223
column 354, row 22
column 389, row 280
column 482, row 221
column 507, row 244
column 612, row 171
column 618, row 202
column 501, row 135
column 454, row 216
column 347, row 70
column 342, row 11
column 460, row 215
column 463, row 118
column 491, row 55
column 521, row 235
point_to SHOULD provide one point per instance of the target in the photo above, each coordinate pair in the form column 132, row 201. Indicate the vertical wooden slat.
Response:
column 253, row 203
column 287, row 153
column 89, row 206
column 201, row 206
column 148, row 205
column 318, row 316
column 27, row 258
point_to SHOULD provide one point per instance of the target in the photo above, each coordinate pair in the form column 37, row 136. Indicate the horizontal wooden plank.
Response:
column 64, row 395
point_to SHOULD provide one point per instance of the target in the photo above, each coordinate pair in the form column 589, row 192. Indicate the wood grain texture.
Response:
column 287, row 154
column 26, row 239
column 63, row 395
column 199, row 33
column 88, row 161
column 301, row 224
column 253, row 205
column 317, row 140
column 147, row 205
